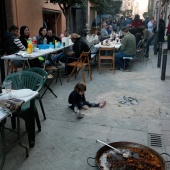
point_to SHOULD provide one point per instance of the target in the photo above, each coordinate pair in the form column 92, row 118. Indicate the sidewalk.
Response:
column 65, row 142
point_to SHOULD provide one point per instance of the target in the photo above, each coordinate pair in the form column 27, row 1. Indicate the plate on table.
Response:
column 106, row 44
column 22, row 93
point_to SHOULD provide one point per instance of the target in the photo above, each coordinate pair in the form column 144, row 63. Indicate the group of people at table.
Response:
column 13, row 43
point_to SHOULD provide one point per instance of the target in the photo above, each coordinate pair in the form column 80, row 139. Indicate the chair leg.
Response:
column 71, row 75
column 99, row 62
column 47, row 87
column 42, row 108
column 58, row 76
column 77, row 73
column 38, row 120
column 89, row 72
column 82, row 69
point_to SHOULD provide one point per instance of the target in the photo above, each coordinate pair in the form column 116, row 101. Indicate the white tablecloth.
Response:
column 22, row 94
column 111, row 44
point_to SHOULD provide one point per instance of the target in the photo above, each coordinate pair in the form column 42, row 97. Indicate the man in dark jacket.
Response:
column 52, row 37
column 12, row 43
column 78, row 47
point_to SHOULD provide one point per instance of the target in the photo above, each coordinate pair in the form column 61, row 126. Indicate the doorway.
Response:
column 51, row 19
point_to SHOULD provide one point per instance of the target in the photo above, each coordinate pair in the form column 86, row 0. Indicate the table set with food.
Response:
column 111, row 42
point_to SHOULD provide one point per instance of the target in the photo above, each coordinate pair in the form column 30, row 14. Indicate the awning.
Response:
column 51, row 10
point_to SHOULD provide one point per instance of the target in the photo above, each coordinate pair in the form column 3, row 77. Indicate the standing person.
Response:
column 94, row 24
column 114, row 25
column 24, row 35
column 121, row 22
column 12, row 44
column 161, row 30
column 148, row 38
column 127, row 49
column 127, row 22
column 78, row 101
column 104, row 33
column 168, row 32
column 151, row 25
column 137, row 22
column 145, row 22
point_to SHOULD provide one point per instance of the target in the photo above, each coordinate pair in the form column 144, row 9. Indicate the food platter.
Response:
column 147, row 159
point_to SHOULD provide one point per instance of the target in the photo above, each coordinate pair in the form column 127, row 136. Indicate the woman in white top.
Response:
column 93, row 38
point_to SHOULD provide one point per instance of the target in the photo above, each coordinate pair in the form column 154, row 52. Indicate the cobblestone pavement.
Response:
column 65, row 142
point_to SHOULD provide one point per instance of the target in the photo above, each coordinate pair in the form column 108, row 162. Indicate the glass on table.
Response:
column 117, row 40
column 8, row 86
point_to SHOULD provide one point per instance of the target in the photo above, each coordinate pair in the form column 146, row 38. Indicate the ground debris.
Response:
column 127, row 100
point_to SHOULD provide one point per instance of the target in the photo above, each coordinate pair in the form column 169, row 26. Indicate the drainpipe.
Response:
column 16, row 8
column 158, row 16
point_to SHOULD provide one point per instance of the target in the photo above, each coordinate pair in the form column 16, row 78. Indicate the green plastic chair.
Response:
column 45, row 75
column 27, row 80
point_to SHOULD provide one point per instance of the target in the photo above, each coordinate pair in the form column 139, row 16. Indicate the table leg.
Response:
column 3, row 143
column 19, row 136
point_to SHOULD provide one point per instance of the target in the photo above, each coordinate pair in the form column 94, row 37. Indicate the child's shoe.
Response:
column 78, row 113
column 102, row 103
column 85, row 107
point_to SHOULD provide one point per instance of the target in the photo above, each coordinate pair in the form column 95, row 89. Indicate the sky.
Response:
column 143, row 4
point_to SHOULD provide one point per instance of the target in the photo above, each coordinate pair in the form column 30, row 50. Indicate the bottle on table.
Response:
column 56, row 44
column 34, row 41
column 45, row 40
column 30, row 46
column 59, row 45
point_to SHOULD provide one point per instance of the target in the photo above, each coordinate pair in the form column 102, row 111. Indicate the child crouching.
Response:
column 78, row 101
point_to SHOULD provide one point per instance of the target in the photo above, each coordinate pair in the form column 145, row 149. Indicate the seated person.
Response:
column 42, row 39
column 24, row 35
column 78, row 47
column 93, row 38
column 104, row 33
column 65, row 34
column 128, row 48
column 111, row 30
column 12, row 44
column 51, row 38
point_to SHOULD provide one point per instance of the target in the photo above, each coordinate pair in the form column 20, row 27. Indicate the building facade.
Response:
column 35, row 13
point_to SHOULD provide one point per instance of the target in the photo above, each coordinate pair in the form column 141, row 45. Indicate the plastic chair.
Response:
column 81, row 62
column 106, row 53
column 27, row 80
column 45, row 75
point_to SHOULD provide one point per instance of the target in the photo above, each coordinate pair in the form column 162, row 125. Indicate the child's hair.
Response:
column 80, row 87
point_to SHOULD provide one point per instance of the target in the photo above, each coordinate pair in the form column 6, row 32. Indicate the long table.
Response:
column 34, row 54
column 4, row 115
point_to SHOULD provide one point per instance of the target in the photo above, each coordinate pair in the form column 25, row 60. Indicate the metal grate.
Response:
column 155, row 140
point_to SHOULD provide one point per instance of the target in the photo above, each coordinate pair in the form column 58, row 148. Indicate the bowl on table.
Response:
column 43, row 46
